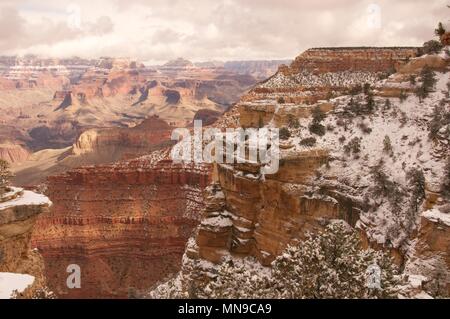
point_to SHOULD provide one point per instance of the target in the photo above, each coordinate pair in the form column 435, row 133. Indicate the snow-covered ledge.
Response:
column 25, row 198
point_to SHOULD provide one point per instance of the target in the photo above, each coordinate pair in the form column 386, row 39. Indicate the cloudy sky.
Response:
column 200, row 30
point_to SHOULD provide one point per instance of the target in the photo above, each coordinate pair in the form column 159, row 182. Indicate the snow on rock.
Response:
column 9, row 282
column 28, row 198
column 435, row 215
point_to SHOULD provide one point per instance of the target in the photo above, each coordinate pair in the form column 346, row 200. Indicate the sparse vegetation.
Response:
column 445, row 186
column 387, row 146
column 416, row 181
column 284, row 133
column 428, row 80
column 331, row 264
column 281, row 100
column 317, row 117
column 293, row 122
column 308, row 141
column 403, row 96
column 384, row 187
column 353, row 146
column 5, row 175
column 440, row 119
column 387, row 105
column 439, row 31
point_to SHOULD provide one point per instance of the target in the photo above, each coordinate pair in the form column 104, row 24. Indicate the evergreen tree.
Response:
column 317, row 117
column 5, row 175
column 439, row 31
column 445, row 186
column 416, row 181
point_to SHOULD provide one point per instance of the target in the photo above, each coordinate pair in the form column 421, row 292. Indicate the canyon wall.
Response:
column 19, row 210
column 125, row 225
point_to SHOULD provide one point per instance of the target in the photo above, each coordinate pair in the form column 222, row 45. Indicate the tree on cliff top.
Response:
column 5, row 175
column 439, row 31
column 328, row 265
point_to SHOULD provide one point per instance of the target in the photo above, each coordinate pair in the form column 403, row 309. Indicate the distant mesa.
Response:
column 172, row 96
column 207, row 116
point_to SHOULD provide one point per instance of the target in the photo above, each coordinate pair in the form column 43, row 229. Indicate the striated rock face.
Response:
column 13, row 153
column 125, row 225
column 321, row 73
column 19, row 211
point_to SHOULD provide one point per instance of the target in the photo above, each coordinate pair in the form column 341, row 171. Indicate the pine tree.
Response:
column 439, row 31
column 445, row 186
column 5, row 175
column 387, row 146
column 416, row 181
column 387, row 105
column 317, row 117
column 332, row 265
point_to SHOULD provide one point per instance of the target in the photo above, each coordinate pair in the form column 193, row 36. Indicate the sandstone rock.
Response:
column 126, row 224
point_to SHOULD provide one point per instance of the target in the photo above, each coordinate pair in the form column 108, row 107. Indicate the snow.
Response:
column 406, row 125
column 11, row 281
column 217, row 221
column 435, row 215
column 27, row 198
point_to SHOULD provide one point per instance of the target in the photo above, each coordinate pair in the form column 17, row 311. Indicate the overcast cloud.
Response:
column 200, row 30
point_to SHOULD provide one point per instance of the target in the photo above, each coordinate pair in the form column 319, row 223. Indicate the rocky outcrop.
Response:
column 13, row 153
column 125, row 225
column 250, row 214
column 19, row 210
column 110, row 145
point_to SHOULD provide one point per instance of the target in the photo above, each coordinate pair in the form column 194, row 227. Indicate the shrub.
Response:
column 317, row 117
column 365, row 128
column 432, row 47
column 387, row 105
column 353, row 146
column 416, row 181
column 5, row 175
column 284, row 133
column 445, row 186
column 331, row 264
column 403, row 96
column 439, row 31
column 387, row 146
column 281, row 100
column 384, row 187
column 309, row 141
column 293, row 122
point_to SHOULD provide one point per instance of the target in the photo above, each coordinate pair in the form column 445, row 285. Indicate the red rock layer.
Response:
column 125, row 225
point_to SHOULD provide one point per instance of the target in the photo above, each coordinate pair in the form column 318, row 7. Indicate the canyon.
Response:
column 142, row 220
column 249, row 218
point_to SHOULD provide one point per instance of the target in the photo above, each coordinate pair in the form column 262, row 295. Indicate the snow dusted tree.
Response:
column 5, row 175
column 330, row 264
column 439, row 31
column 417, row 184
column 239, row 282
column 445, row 186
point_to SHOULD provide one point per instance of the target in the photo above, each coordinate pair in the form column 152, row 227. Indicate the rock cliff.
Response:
column 19, row 210
column 341, row 171
column 125, row 225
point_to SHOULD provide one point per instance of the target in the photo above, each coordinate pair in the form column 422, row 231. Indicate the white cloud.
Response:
column 158, row 30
